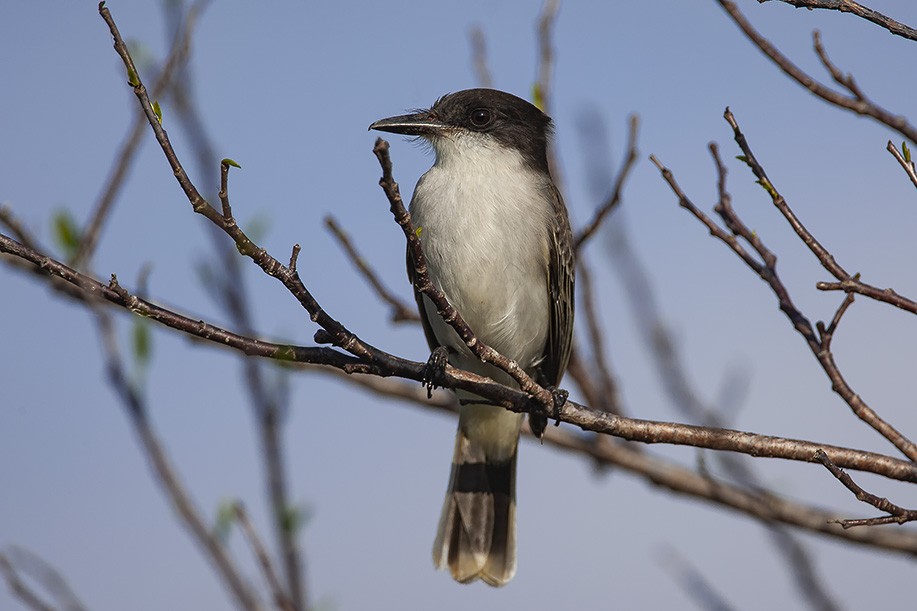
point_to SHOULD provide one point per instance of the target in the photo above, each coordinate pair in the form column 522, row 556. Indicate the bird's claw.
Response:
column 435, row 369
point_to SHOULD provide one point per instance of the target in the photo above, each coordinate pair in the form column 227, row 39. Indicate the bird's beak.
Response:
column 422, row 123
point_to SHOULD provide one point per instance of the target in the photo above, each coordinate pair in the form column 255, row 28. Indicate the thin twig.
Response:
column 165, row 473
column 608, row 399
column 766, row 270
column 855, row 8
column 20, row 588
column 269, row 400
column 695, row 586
column 861, row 106
column 125, row 156
column 615, row 198
column 401, row 312
column 897, row 515
column 768, row 273
column 908, row 165
column 264, row 560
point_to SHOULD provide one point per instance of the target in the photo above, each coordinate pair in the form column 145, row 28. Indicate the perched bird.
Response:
column 497, row 241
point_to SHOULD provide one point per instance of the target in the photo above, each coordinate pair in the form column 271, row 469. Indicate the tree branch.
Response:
column 401, row 312
column 612, row 202
column 854, row 8
column 384, row 364
column 765, row 268
column 856, row 104
column 897, row 515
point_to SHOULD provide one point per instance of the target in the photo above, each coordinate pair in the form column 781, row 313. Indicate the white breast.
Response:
column 484, row 218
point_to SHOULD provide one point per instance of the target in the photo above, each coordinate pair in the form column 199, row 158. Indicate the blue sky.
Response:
column 288, row 92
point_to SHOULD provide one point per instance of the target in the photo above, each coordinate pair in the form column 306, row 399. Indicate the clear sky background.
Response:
column 287, row 90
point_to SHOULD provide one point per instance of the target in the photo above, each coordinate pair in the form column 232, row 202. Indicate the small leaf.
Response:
column 418, row 231
column 742, row 158
column 907, row 151
column 294, row 518
column 226, row 517
column 230, row 162
column 66, row 233
column 132, row 78
column 143, row 342
column 537, row 96
column 157, row 110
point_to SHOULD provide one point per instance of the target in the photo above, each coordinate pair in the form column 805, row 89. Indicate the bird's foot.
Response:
column 435, row 369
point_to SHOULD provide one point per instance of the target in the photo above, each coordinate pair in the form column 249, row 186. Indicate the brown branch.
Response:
column 264, row 560
column 897, row 515
column 695, row 586
column 859, row 105
column 384, row 364
column 269, row 401
column 768, row 273
column 401, row 312
column 125, row 156
column 332, row 332
column 847, row 282
column 19, row 561
column 755, row 503
column 20, row 589
column 675, row 380
column 907, row 164
column 855, row 8
column 606, row 398
column 855, row 285
column 615, row 198
column 165, row 473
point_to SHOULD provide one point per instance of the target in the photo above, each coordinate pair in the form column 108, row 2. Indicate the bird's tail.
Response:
column 476, row 538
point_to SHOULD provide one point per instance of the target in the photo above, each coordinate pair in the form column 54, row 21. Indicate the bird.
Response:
column 497, row 241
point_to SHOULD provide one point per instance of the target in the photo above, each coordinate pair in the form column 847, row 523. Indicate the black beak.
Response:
column 418, row 124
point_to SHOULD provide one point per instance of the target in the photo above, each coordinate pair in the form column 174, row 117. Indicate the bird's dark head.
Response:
column 484, row 117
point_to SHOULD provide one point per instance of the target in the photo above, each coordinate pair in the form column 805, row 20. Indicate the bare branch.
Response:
column 612, row 202
column 755, row 502
column 401, row 312
column 606, row 398
column 766, row 270
column 264, row 560
column 768, row 273
column 696, row 587
column 633, row 429
column 184, row 506
column 22, row 591
column 855, row 8
column 897, row 515
column 125, row 156
column 859, row 105
column 18, row 561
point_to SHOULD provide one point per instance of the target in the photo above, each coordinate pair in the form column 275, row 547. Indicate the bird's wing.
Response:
column 561, row 270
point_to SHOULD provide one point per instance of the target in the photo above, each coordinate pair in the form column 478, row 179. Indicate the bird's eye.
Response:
column 480, row 117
